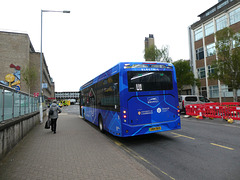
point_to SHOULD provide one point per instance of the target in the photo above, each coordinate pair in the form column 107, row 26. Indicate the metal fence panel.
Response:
column 1, row 104
column 8, row 104
column 15, row 103
column 27, row 105
column 23, row 104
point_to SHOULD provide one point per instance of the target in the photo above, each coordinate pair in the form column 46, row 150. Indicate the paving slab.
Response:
column 77, row 151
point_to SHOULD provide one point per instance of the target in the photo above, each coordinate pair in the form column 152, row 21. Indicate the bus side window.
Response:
column 108, row 93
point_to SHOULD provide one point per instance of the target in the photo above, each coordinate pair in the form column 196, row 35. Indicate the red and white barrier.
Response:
column 215, row 110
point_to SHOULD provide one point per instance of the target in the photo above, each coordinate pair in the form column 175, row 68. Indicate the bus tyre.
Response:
column 100, row 123
column 83, row 115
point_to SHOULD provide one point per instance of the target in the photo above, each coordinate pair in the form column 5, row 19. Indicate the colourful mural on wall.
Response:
column 13, row 80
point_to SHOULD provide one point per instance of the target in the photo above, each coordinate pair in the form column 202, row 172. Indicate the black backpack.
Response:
column 50, row 112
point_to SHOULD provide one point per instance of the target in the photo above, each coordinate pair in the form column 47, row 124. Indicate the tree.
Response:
column 164, row 55
column 227, row 65
column 154, row 54
column 29, row 75
column 184, row 75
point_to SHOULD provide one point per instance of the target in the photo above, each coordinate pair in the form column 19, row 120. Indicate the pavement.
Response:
column 77, row 151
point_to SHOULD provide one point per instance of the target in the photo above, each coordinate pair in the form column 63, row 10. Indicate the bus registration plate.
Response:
column 155, row 128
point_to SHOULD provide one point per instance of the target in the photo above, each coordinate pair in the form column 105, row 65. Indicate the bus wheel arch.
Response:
column 100, row 123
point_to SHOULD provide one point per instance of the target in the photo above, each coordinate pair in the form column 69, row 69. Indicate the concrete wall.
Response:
column 16, row 48
column 13, row 131
column 35, row 64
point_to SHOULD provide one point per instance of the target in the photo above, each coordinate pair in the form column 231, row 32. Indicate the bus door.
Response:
column 92, row 97
column 80, row 103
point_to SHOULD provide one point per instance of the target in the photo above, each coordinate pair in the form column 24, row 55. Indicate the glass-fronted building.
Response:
column 226, row 13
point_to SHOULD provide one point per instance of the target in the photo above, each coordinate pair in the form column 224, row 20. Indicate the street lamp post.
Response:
column 41, row 93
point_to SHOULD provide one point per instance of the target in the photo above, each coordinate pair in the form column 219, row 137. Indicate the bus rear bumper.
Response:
column 134, row 130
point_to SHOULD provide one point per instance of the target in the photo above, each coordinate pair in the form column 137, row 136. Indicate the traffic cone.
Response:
column 200, row 115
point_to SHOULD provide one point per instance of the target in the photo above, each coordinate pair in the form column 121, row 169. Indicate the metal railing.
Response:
column 15, row 103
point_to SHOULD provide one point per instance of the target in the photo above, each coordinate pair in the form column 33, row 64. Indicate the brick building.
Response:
column 149, row 41
column 226, row 13
column 16, row 54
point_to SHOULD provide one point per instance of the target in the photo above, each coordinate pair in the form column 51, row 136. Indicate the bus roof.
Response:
column 126, row 65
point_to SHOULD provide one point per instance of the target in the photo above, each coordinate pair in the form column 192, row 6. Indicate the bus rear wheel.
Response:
column 100, row 123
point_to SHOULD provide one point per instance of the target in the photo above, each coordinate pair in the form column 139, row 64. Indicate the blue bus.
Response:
column 132, row 98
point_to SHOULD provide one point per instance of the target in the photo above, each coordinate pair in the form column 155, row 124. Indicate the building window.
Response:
column 213, row 91
column 199, row 53
column 210, row 11
column 203, row 91
column 210, row 70
column 209, row 29
column 221, row 22
column 201, row 73
column 198, row 34
column 228, row 91
column 222, row 4
column 234, row 16
column 210, row 49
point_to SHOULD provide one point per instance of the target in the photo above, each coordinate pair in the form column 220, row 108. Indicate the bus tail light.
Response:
column 124, row 116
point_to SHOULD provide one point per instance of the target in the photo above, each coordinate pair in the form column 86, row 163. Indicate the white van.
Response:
column 190, row 99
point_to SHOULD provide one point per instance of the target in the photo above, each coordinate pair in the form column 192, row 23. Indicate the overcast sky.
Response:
column 98, row 34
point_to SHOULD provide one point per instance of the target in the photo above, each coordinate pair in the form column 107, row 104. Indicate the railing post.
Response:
column 12, row 104
column 3, row 94
column 24, row 104
column 19, row 98
column 20, row 104
column 2, row 105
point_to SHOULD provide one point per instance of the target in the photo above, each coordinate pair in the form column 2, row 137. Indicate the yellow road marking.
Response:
column 180, row 135
column 222, row 146
column 134, row 154
column 137, row 156
column 118, row 143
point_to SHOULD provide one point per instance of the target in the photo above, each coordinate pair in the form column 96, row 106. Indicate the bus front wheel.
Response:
column 83, row 115
column 100, row 124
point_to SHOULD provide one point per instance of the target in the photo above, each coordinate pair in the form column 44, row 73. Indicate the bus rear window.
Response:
column 149, row 81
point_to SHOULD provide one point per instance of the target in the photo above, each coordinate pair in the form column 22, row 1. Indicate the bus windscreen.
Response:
column 149, row 81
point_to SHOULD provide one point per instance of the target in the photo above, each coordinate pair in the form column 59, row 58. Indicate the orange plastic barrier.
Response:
column 228, row 110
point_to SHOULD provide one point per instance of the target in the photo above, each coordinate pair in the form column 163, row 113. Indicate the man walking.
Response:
column 53, row 114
